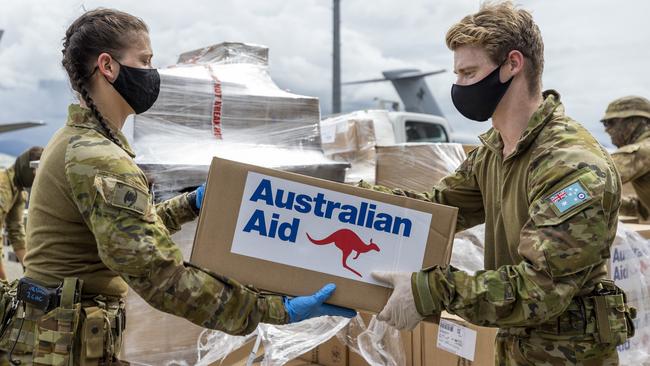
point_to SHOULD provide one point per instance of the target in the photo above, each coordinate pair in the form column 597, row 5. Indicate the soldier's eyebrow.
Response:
column 465, row 70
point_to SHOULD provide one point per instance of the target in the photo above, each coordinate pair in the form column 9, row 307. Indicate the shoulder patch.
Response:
column 130, row 198
column 571, row 196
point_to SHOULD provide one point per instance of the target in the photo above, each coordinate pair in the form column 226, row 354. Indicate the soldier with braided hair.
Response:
column 92, row 219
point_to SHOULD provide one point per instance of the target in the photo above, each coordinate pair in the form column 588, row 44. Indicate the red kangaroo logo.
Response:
column 348, row 241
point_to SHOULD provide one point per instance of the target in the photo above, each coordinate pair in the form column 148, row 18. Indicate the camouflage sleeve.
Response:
column 632, row 206
column 175, row 212
column 459, row 189
column 562, row 244
column 132, row 240
column 629, row 164
column 15, row 223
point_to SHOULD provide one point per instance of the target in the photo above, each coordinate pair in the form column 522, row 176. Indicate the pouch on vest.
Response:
column 92, row 335
column 614, row 323
column 102, row 325
column 56, row 330
column 22, row 340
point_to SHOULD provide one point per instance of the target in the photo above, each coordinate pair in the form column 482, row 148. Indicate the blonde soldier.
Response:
column 13, row 182
column 549, row 197
column 92, row 217
column 627, row 121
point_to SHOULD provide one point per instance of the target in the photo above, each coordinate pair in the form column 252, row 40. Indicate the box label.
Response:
column 456, row 339
column 327, row 231
column 327, row 134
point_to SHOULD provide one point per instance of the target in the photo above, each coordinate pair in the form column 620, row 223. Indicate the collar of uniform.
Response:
column 642, row 137
column 551, row 105
column 83, row 118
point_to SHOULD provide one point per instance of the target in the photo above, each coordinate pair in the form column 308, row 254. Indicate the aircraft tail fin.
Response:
column 412, row 89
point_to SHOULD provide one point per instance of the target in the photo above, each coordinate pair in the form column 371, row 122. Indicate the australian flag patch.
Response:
column 569, row 197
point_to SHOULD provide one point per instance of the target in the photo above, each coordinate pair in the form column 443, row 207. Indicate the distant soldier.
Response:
column 13, row 182
column 627, row 121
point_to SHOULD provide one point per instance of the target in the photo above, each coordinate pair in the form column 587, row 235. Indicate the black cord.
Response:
column 11, row 357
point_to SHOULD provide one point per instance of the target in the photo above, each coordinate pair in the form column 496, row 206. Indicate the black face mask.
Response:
column 479, row 100
column 139, row 87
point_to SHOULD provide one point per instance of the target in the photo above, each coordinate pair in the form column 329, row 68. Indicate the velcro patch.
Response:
column 130, row 198
column 569, row 197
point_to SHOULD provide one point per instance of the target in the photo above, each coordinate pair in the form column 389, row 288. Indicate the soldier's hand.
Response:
column 400, row 311
column 305, row 307
column 199, row 195
column 195, row 198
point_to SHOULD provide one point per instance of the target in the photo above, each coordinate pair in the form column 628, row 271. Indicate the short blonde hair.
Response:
column 500, row 28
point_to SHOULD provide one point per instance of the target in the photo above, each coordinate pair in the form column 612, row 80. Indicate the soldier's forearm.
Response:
column 507, row 297
column 175, row 212
column 210, row 301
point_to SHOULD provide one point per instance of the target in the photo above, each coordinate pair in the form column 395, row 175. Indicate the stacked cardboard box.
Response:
column 350, row 140
column 459, row 343
column 416, row 166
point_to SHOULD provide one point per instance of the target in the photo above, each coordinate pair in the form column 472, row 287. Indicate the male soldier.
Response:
column 549, row 197
column 13, row 182
column 627, row 121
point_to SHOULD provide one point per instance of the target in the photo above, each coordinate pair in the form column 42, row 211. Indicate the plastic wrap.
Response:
column 468, row 249
column 630, row 269
column 416, row 166
column 284, row 343
column 221, row 101
column 377, row 343
column 351, row 140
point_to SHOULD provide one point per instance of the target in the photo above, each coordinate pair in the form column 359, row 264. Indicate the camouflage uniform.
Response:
column 631, row 131
column 12, row 208
column 92, row 217
column 550, row 210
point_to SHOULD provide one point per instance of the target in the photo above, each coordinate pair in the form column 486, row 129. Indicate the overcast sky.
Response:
column 596, row 50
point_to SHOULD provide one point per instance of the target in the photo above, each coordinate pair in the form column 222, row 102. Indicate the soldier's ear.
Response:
column 514, row 63
column 107, row 66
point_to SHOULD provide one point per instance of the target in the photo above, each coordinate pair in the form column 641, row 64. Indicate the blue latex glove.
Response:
column 305, row 307
column 199, row 196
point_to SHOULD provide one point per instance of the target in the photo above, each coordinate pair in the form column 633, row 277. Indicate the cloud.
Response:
column 594, row 50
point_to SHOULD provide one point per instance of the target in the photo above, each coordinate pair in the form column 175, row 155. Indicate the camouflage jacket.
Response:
column 12, row 208
column 114, row 235
column 633, row 164
column 550, row 210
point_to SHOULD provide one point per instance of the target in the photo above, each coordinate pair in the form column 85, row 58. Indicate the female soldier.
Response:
column 92, row 217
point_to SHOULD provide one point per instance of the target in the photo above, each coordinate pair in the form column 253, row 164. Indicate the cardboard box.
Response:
column 444, row 343
column 628, row 219
column 416, row 339
column 240, row 357
column 416, row 166
column 244, row 235
column 348, row 140
column 330, row 353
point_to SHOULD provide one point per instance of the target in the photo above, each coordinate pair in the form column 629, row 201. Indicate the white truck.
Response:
column 399, row 127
